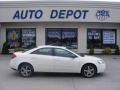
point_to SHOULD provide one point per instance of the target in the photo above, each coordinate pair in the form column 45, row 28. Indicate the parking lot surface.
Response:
column 110, row 80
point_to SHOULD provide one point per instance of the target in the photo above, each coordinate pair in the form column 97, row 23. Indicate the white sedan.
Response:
column 55, row 59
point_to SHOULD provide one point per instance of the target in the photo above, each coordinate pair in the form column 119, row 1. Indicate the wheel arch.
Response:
column 88, row 64
column 25, row 63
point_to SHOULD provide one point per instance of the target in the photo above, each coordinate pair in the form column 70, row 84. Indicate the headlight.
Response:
column 100, row 61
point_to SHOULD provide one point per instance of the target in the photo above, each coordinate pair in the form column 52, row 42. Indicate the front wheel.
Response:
column 89, row 71
column 25, row 70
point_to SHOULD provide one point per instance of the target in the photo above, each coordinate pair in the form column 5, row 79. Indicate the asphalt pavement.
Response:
column 110, row 80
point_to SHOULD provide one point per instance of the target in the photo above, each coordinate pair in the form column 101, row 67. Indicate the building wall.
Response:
column 40, row 31
column 90, row 11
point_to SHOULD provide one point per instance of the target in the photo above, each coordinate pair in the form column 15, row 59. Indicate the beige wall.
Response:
column 40, row 31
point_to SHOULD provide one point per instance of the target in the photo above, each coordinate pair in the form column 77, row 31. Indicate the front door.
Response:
column 65, row 61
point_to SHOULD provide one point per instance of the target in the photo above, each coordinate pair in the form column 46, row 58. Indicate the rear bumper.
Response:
column 14, row 69
column 13, row 65
column 101, row 68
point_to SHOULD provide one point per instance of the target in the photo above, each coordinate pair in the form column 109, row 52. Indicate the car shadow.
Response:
column 57, row 75
column 49, row 74
column 67, row 75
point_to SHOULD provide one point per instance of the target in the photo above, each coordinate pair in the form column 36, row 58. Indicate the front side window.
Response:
column 43, row 51
column 62, row 37
column 63, row 53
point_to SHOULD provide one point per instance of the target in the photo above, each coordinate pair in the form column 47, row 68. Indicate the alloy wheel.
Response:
column 25, row 70
column 89, row 71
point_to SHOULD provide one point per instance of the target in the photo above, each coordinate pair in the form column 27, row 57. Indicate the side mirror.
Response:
column 82, row 55
column 74, row 56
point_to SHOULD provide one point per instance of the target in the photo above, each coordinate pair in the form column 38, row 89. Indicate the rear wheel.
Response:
column 25, row 70
column 89, row 70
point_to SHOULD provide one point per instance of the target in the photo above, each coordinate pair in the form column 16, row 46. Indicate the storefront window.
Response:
column 21, row 37
column 69, row 38
column 101, row 38
column 94, row 38
column 53, row 36
column 62, row 37
column 13, row 37
column 28, row 37
column 109, row 38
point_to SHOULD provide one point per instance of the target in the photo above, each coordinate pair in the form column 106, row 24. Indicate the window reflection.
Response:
column 13, row 37
column 21, row 37
column 28, row 37
column 62, row 37
column 94, row 38
column 101, row 38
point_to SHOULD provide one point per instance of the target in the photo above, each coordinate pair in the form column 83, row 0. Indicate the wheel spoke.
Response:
column 85, row 70
column 23, row 69
column 88, row 74
column 91, row 70
column 88, row 67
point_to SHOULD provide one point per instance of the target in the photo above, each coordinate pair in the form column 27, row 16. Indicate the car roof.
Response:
column 42, row 46
column 49, row 46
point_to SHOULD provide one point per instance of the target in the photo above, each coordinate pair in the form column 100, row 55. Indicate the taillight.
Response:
column 13, row 56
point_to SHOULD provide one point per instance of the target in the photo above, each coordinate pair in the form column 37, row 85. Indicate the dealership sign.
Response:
column 102, row 15
column 56, row 14
column 59, row 14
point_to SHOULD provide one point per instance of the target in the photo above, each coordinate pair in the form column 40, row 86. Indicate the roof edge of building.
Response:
column 83, row 4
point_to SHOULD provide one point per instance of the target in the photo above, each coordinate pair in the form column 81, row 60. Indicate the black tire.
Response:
column 25, row 70
column 89, row 70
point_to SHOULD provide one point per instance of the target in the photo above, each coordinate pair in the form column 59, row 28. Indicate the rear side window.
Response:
column 43, row 51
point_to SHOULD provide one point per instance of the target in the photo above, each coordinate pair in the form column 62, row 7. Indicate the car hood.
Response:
column 87, row 57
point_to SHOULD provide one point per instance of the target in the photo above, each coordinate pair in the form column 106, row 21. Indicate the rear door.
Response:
column 43, row 59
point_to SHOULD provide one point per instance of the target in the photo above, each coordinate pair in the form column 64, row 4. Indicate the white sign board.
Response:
column 108, row 37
